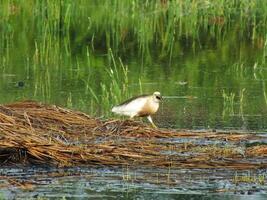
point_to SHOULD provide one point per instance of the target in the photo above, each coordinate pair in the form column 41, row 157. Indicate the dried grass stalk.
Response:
column 34, row 133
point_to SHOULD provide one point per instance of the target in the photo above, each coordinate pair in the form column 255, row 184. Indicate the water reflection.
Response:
column 216, row 95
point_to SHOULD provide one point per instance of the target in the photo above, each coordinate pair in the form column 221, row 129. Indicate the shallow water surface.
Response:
column 130, row 183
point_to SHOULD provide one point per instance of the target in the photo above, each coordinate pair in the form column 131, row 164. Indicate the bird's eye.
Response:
column 158, row 97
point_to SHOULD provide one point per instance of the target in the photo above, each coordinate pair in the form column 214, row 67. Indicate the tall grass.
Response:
column 114, row 89
column 134, row 24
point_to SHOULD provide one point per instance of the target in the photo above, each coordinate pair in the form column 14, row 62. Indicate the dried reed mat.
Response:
column 34, row 133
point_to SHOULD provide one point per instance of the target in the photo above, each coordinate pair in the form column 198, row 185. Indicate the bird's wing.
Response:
column 131, row 108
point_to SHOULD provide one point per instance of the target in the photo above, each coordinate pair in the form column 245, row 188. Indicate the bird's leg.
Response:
column 151, row 121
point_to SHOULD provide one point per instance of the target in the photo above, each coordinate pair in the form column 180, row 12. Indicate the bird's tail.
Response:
column 119, row 110
column 115, row 109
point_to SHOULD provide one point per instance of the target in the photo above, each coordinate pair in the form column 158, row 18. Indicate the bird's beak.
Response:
column 159, row 97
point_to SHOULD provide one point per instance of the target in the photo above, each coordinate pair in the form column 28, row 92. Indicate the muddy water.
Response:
column 121, row 183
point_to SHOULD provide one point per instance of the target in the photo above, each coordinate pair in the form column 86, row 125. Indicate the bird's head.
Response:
column 157, row 96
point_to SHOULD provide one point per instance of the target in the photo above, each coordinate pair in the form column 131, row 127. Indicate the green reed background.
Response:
column 130, row 26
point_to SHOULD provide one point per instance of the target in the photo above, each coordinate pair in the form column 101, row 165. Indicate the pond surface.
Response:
column 213, row 76
column 201, row 93
column 127, row 183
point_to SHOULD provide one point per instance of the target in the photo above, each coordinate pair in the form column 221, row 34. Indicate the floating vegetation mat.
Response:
column 34, row 133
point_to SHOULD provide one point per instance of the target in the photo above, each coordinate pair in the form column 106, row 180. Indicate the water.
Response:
column 203, row 83
column 110, row 183
column 214, row 79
